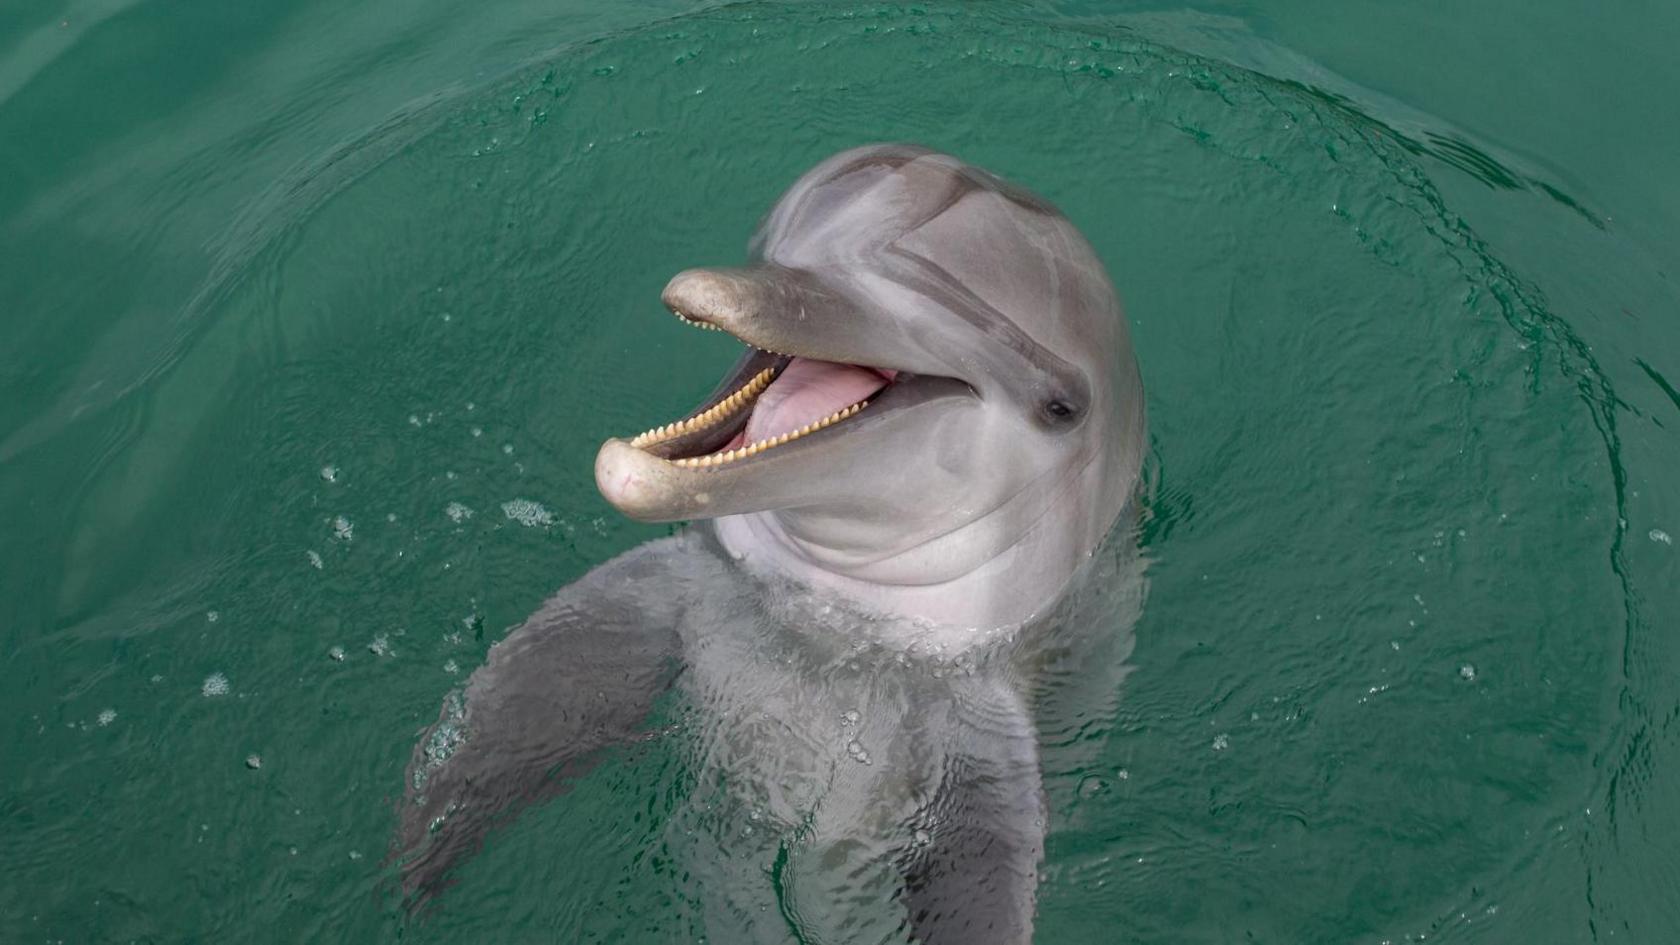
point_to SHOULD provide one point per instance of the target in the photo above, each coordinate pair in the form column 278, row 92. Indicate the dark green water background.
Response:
column 312, row 316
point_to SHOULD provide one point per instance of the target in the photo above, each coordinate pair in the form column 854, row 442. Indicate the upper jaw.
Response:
column 799, row 312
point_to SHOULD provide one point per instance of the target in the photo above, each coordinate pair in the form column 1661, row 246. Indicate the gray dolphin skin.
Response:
column 912, row 565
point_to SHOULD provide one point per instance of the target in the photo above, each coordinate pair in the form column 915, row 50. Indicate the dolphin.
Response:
column 900, row 493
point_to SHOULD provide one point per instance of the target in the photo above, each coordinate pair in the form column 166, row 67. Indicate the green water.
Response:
column 312, row 317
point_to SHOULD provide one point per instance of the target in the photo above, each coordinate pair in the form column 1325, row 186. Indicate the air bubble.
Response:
column 527, row 513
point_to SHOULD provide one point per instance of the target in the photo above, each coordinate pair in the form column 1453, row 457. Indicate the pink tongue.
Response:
column 807, row 391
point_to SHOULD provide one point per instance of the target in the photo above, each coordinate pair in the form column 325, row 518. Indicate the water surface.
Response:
column 312, row 319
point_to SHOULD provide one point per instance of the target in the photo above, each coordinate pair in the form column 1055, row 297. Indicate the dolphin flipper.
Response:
column 972, row 879
column 581, row 674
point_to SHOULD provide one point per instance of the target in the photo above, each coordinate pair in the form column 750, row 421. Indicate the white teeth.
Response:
column 688, row 319
column 710, row 416
column 726, row 408
column 720, row 459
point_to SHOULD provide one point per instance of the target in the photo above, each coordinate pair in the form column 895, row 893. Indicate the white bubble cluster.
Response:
column 527, row 513
column 215, row 684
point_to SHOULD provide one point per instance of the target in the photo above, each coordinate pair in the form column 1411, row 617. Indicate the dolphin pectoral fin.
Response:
column 580, row 675
column 973, row 874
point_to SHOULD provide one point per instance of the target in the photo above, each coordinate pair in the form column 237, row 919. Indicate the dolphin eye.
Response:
column 1060, row 411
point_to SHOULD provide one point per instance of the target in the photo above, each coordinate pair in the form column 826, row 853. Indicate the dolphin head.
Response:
column 938, row 410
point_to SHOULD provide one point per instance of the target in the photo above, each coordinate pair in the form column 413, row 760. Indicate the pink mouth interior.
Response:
column 806, row 391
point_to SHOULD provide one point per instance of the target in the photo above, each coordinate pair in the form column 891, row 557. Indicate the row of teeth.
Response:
column 718, row 459
column 693, row 322
column 711, row 415
column 697, row 323
column 728, row 406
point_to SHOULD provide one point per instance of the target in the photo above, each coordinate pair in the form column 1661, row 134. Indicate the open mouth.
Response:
column 768, row 401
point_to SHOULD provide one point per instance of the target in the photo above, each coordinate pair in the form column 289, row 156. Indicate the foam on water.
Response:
column 528, row 513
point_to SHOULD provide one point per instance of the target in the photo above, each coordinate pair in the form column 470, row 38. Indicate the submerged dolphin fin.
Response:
column 972, row 881
column 581, row 674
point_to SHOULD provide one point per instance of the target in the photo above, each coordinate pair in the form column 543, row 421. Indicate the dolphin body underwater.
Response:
column 898, row 587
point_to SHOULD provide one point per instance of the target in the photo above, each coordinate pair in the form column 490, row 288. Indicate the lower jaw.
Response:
column 716, row 434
